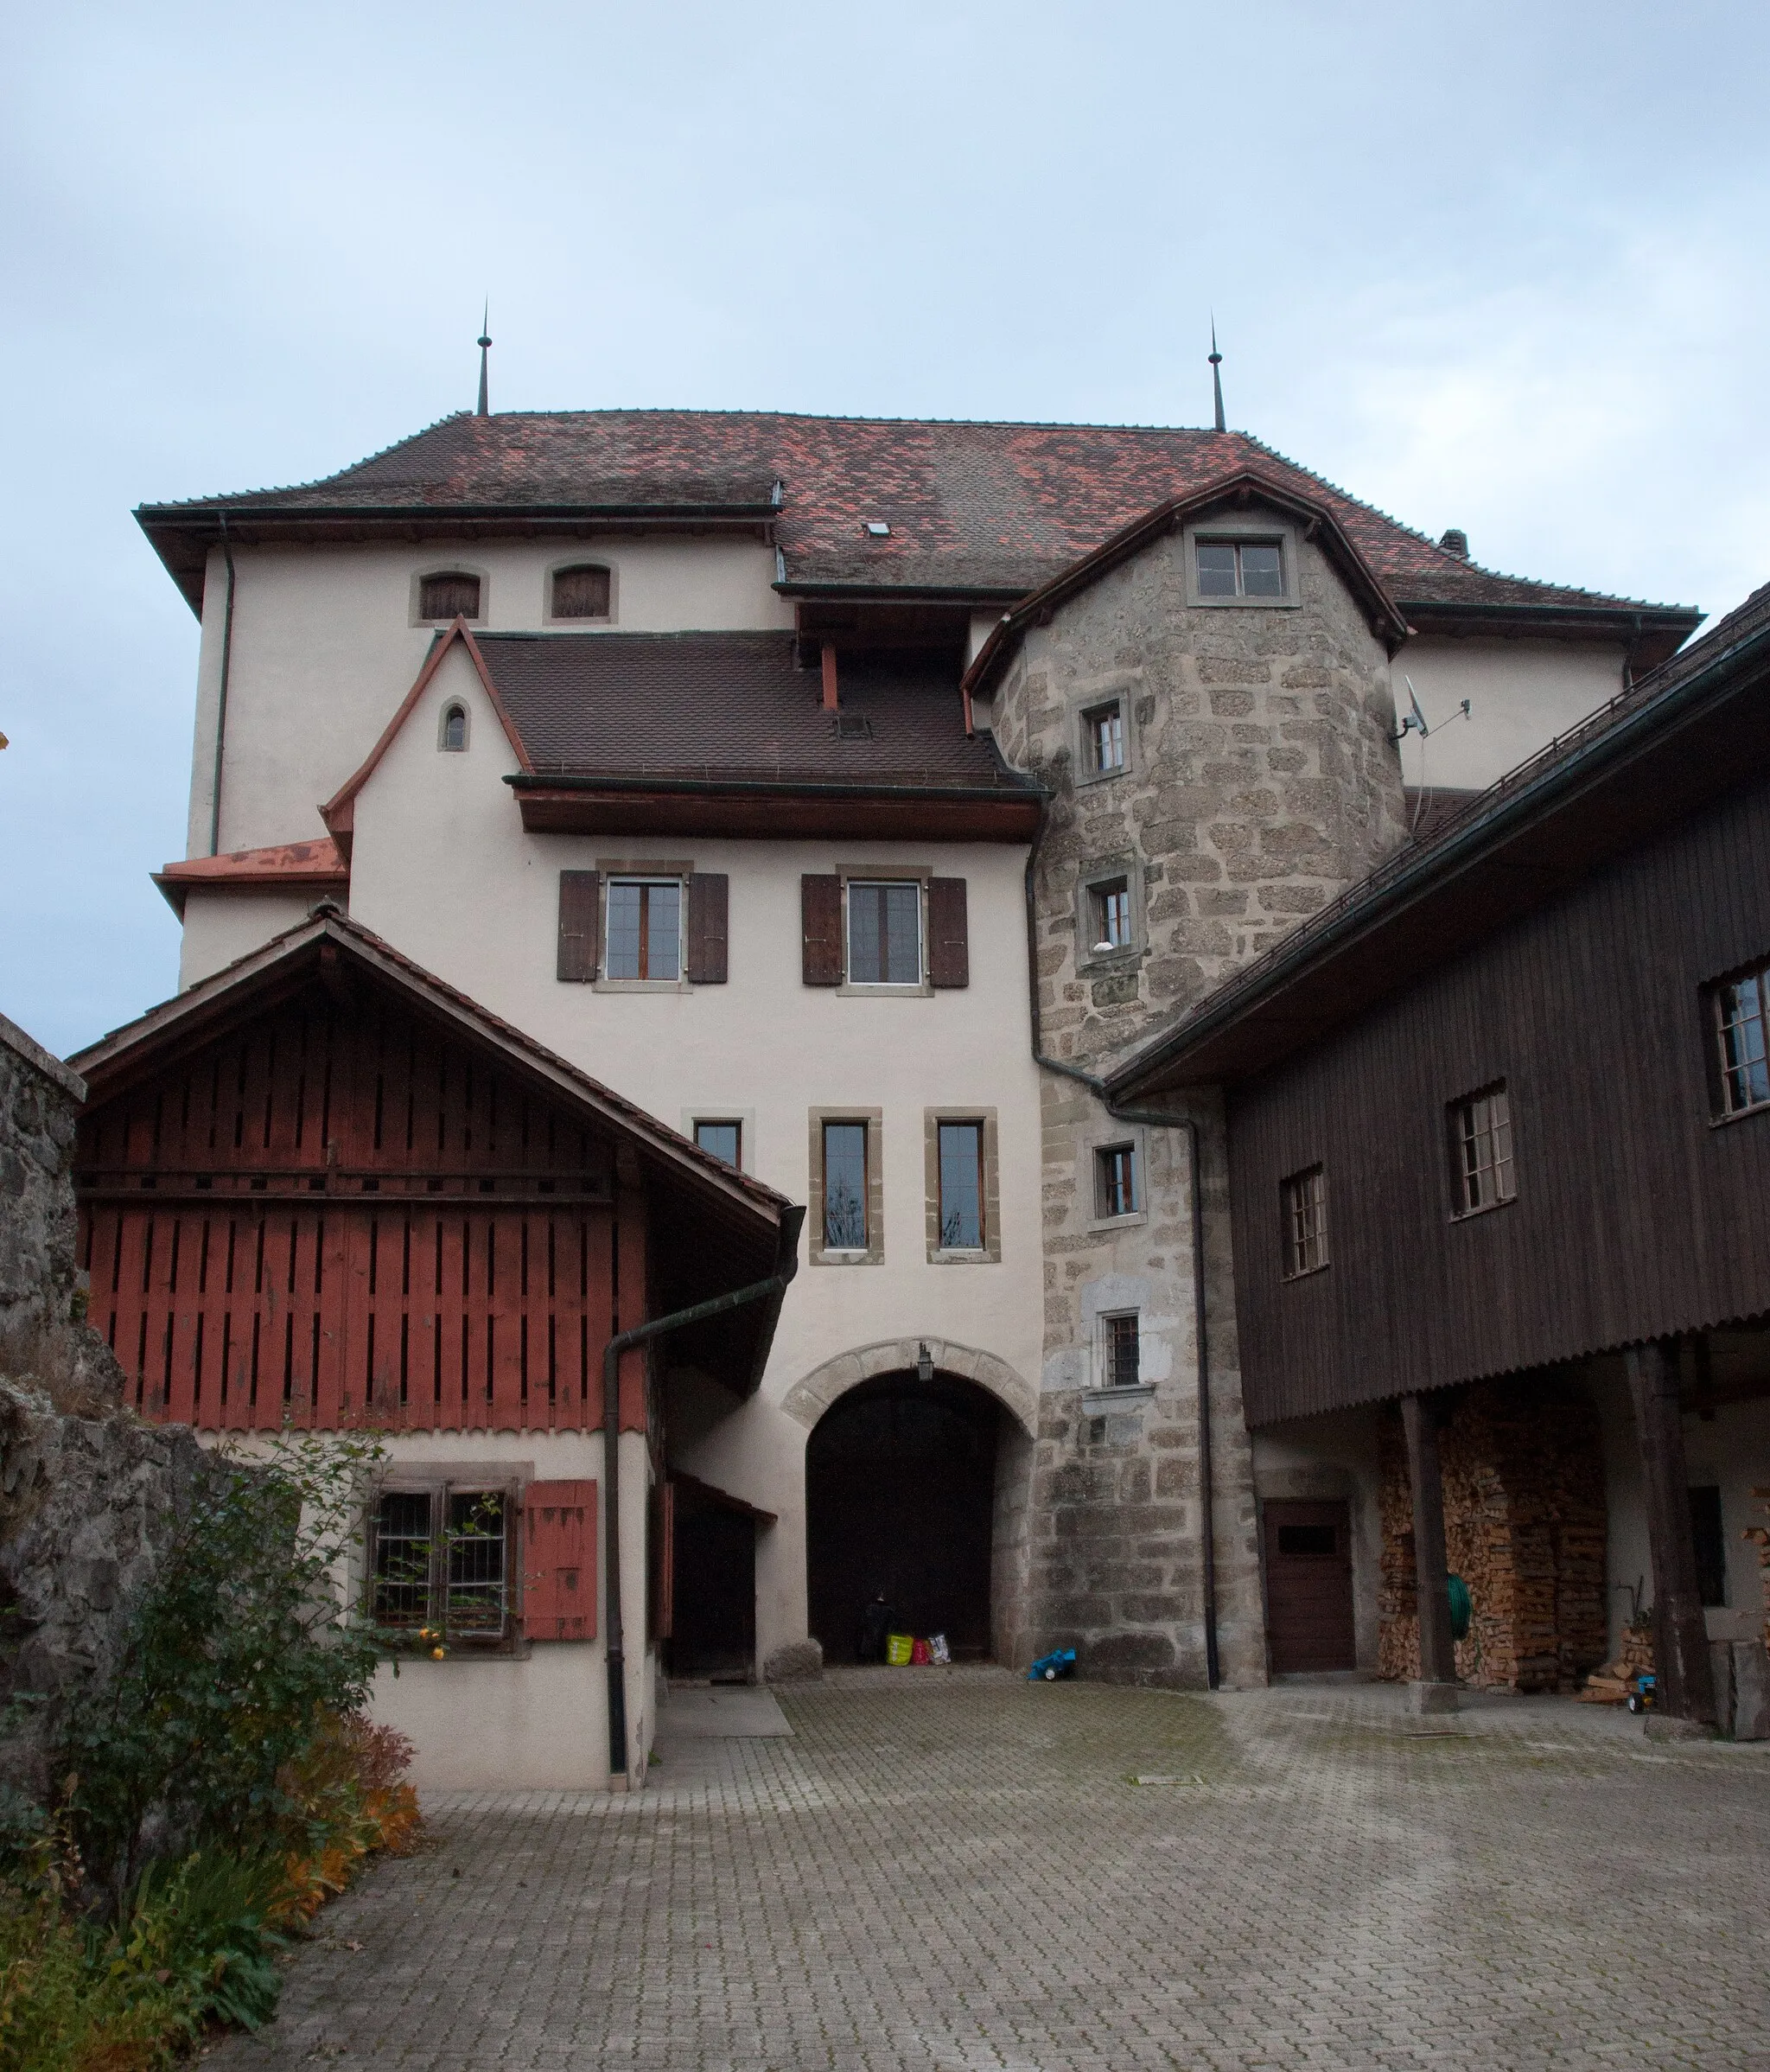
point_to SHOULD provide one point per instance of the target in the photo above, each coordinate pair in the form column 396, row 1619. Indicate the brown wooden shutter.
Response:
column 580, row 925
column 709, row 901
column 559, row 1561
column 949, row 949
column 820, row 911
column 663, row 1600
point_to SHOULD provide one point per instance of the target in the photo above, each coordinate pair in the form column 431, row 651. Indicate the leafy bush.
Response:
column 202, row 1930
column 235, row 1655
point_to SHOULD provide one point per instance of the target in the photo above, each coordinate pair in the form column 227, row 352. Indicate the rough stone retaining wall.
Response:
column 39, row 1100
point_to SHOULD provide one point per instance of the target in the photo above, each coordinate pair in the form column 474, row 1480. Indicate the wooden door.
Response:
column 1308, row 1588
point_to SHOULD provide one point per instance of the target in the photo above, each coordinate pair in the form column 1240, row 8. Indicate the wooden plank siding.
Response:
column 335, row 1216
column 1636, row 1214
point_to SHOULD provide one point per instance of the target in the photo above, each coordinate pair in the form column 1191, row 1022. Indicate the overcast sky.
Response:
column 1500, row 267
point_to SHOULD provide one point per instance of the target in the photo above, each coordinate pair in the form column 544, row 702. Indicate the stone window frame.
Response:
column 1244, row 528
column 450, row 706
column 875, row 1254
column 1099, row 1138
column 655, row 869
column 1079, row 704
column 744, row 1118
column 989, row 1253
column 887, row 874
column 577, row 561
column 1104, row 1384
column 1099, row 871
column 420, row 577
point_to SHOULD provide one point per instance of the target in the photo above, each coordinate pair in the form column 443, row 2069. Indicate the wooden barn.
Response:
column 323, row 1191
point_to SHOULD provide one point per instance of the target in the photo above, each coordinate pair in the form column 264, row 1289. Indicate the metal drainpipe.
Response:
column 222, row 697
column 1208, row 1537
column 623, row 1341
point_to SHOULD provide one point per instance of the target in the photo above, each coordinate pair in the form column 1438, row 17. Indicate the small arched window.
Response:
column 449, row 595
column 451, row 734
column 581, row 592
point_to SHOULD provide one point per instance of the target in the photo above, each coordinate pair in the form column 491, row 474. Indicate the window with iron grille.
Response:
column 439, row 1563
column 1739, row 1009
column 581, row 593
column 1304, row 1198
column 644, row 930
column 1103, row 739
column 449, row 595
column 1240, row 568
column 845, row 1186
column 1115, row 1180
column 1120, row 1345
column 961, row 1151
column 1481, row 1151
column 884, row 932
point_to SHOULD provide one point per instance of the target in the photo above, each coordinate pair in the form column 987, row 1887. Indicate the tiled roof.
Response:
column 996, row 509
column 288, row 866
column 730, row 705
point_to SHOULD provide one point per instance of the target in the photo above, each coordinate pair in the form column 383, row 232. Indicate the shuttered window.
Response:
column 884, row 932
column 441, row 1561
column 949, row 949
column 559, row 1561
column 820, row 917
column 581, row 593
column 580, row 924
column 644, row 930
column 448, row 595
column 709, row 904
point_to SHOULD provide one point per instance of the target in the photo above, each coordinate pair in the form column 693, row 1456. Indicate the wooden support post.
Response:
column 1435, row 1691
column 1684, row 1683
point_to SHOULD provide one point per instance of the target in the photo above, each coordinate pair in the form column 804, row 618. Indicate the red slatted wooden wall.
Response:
column 335, row 1218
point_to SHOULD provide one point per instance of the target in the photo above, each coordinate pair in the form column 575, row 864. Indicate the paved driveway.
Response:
column 956, row 1871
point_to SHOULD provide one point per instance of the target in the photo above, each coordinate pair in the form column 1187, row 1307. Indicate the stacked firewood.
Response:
column 1524, row 1527
column 1611, row 1684
column 1761, row 1537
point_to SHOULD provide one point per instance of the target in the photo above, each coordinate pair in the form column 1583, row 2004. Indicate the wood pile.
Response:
column 1609, row 1684
column 1760, row 1539
column 1525, row 1527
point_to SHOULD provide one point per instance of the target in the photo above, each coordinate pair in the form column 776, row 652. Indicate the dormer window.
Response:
column 582, row 592
column 449, row 594
column 451, row 734
column 1240, row 568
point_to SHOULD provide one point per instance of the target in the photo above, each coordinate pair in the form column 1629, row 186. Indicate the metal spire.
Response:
column 1216, row 379
column 484, row 409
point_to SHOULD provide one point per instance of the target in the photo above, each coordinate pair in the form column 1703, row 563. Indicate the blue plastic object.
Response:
column 1059, row 1662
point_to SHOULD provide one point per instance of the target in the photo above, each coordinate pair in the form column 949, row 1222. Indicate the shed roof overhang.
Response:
column 775, row 809
column 725, row 1229
column 1658, row 753
column 1648, row 635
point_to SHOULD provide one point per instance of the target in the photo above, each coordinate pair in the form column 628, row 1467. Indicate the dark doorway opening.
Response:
column 899, row 1498
column 713, row 1625
column 1308, row 1588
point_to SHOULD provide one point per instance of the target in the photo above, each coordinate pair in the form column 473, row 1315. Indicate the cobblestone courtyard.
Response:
column 958, row 1872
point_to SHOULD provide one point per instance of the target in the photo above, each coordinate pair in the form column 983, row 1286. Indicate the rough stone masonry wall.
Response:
column 1524, row 1523
column 1261, row 782
column 89, row 1496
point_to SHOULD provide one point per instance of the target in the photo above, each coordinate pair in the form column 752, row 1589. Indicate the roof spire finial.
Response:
column 484, row 409
column 1216, row 376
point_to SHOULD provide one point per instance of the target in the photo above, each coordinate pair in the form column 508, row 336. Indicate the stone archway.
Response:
column 811, row 1396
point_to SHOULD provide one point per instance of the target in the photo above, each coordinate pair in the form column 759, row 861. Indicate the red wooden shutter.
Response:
column 580, row 925
column 949, row 951
column 708, row 899
column 662, row 1607
column 820, row 910
column 559, row 1561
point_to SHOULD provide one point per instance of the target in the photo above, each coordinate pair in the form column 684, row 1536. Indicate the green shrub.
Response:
column 233, row 1658
column 200, row 1930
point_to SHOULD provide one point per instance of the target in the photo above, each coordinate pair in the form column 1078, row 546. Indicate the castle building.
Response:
column 844, row 803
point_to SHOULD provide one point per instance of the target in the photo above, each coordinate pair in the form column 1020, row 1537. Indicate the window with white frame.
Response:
column 1739, row 1011
column 1103, row 739
column 884, row 932
column 1240, row 568
column 440, row 1563
column 1481, row 1151
column 1304, row 1201
column 1109, row 908
column 644, row 935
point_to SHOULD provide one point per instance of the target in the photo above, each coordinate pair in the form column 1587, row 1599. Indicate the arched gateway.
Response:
column 912, row 1473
